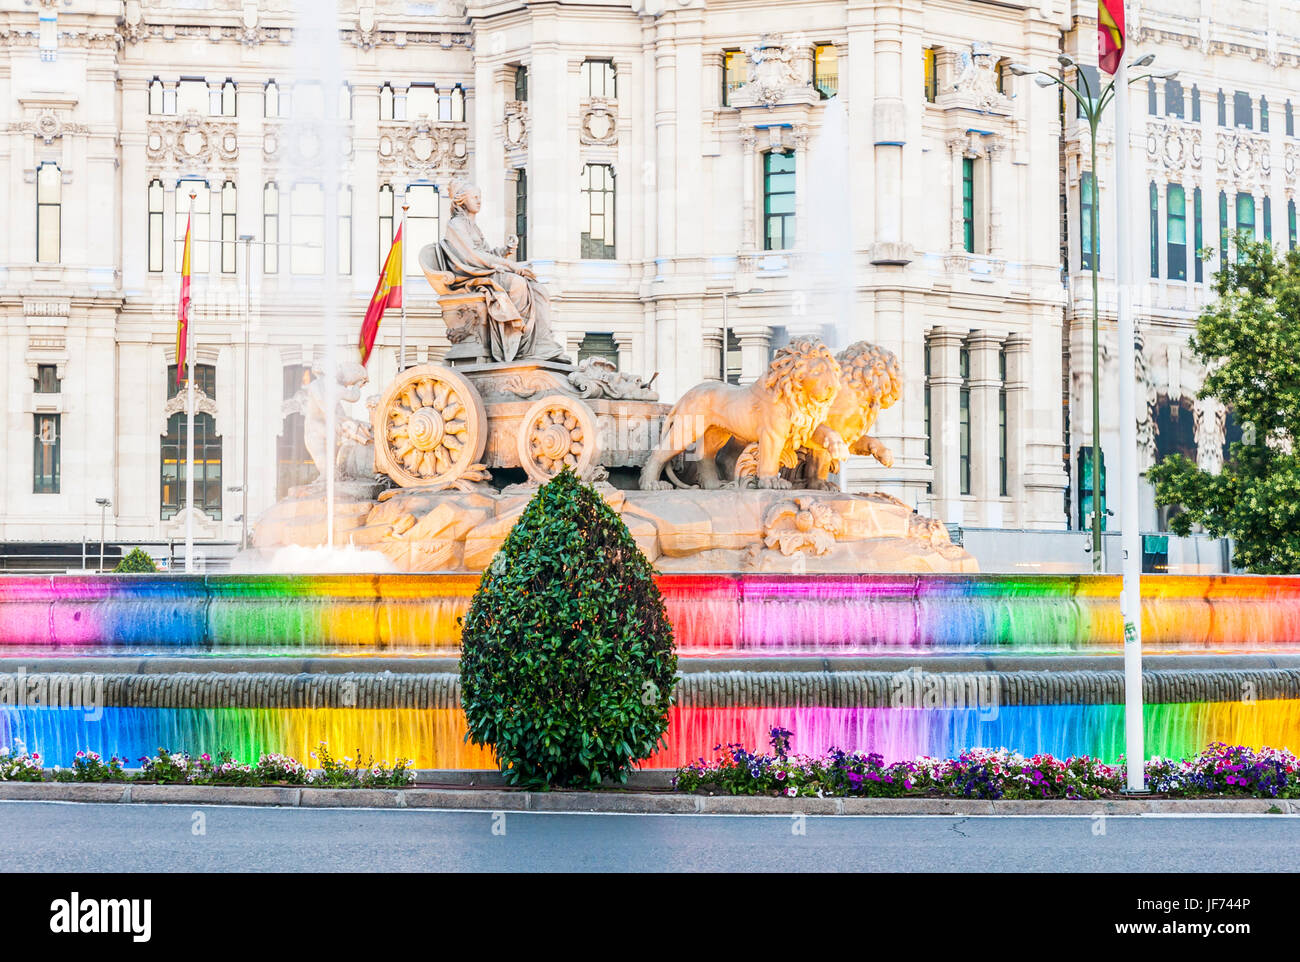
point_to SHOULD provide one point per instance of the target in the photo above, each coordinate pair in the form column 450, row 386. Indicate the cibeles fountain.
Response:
column 730, row 478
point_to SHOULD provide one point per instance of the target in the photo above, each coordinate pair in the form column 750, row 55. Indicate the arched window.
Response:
column 49, row 213
column 271, row 99
column 199, row 227
column 228, row 101
column 455, row 105
column 293, row 464
column 1151, row 96
column 421, row 223
column 386, row 102
column 387, row 220
column 157, row 241
column 1196, row 104
column 155, row 96
column 271, row 228
column 207, row 466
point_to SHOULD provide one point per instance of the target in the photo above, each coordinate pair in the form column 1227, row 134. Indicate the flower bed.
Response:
column 179, row 768
column 986, row 773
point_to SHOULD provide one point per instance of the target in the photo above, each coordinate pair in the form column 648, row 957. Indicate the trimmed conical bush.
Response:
column 567, row 664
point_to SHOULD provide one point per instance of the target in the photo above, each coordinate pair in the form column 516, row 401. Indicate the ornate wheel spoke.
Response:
column 433, row 427
column 558, row 431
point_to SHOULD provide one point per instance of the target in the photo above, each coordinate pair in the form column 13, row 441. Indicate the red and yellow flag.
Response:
column 183, row 312
column 1110, row 34
column 388, row 293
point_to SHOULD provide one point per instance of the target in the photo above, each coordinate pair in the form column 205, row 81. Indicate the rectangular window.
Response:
column 1173, row 99
column 306, row 226
column 1196, row 104
column 1246, row 216
column 199, row 234
column 928, row 429
column 1223, row 109
column 387, row 218
column 931, row 74
column 1090, row 86
column 778, row 200
column 521, row 83
column 1268, row 220
column 968, row 203
column 1224, row 229
column 345, row 231
column 1290, row 120
column 1002, row 424
column 1155, row 229
column 1176, row 233
column 597, row 240
column 421, row 100
column 963, row 424
column 598, row 345
column 1242, row 114
column 228, row 236
column 205, row 381
column 207, row 466
column 192, row 94
column 421, row 223
column 1263, row 114
column 156, row 240
column 521, row 213
column 1291, row 223
column 1151, row 97
column 47, row 379
column 599, row 79
column 735, row 73
column 826, row 70
column 1087, row 209
column 271, row 228
column 45, row 454
column 1199, row 238
column 49, row 213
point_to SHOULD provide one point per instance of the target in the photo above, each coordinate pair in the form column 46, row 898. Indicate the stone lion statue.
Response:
column 779, row 413
column 871, row 379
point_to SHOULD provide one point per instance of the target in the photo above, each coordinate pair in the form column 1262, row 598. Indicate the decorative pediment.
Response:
column 773, row 76
column 1243, row 157
column 423, row 146
column 599, row 122
column 48, row 124
column 1174, row 146
column 190, row 140
column 176, row 405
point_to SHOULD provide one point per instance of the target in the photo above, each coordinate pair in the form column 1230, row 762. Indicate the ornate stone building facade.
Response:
column 695, row 181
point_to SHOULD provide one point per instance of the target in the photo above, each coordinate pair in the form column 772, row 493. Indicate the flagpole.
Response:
column 401, row 359
column 189, row 421
column 1131, row 592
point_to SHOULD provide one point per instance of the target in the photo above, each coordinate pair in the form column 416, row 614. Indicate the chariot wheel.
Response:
column 558, row 431
column 430, row 427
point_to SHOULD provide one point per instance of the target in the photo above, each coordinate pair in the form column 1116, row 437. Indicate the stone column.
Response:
column 997, row 191
column 749, row 173
column 712, row 365
column 889, row 133
column 754, row 343
column 945, row 387
column 957, row 153
column 1017, row 388
column 985, row 386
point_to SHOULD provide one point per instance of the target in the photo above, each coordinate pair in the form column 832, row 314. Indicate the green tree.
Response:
column 1249, row 341
column 567, row 663
column 136, row 562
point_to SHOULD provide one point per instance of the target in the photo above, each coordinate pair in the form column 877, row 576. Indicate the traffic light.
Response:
column 1086, row 488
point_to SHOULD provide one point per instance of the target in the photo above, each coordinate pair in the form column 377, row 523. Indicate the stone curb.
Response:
column 615, row 802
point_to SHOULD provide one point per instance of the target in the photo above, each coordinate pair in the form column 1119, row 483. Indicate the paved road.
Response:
column 36, row 836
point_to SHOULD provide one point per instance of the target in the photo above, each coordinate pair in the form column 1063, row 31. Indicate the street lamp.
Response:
column 104, row 505
column 1092, row 112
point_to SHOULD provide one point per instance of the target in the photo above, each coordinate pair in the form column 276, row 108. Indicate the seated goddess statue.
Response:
column 518, row 307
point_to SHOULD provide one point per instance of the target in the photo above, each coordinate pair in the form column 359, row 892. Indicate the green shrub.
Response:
column 136, row 562
column 567, row 664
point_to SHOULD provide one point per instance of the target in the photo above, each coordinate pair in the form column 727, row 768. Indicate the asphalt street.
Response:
column 81, row 837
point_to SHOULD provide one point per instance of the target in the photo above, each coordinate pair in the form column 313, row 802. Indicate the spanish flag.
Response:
column 388, row 293
column 1110, row 34
column 183, row 312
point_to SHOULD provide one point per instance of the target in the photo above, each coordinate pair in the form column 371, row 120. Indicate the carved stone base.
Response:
column 681, row 530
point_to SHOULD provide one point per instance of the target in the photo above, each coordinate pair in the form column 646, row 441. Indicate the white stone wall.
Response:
column 688, row 216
